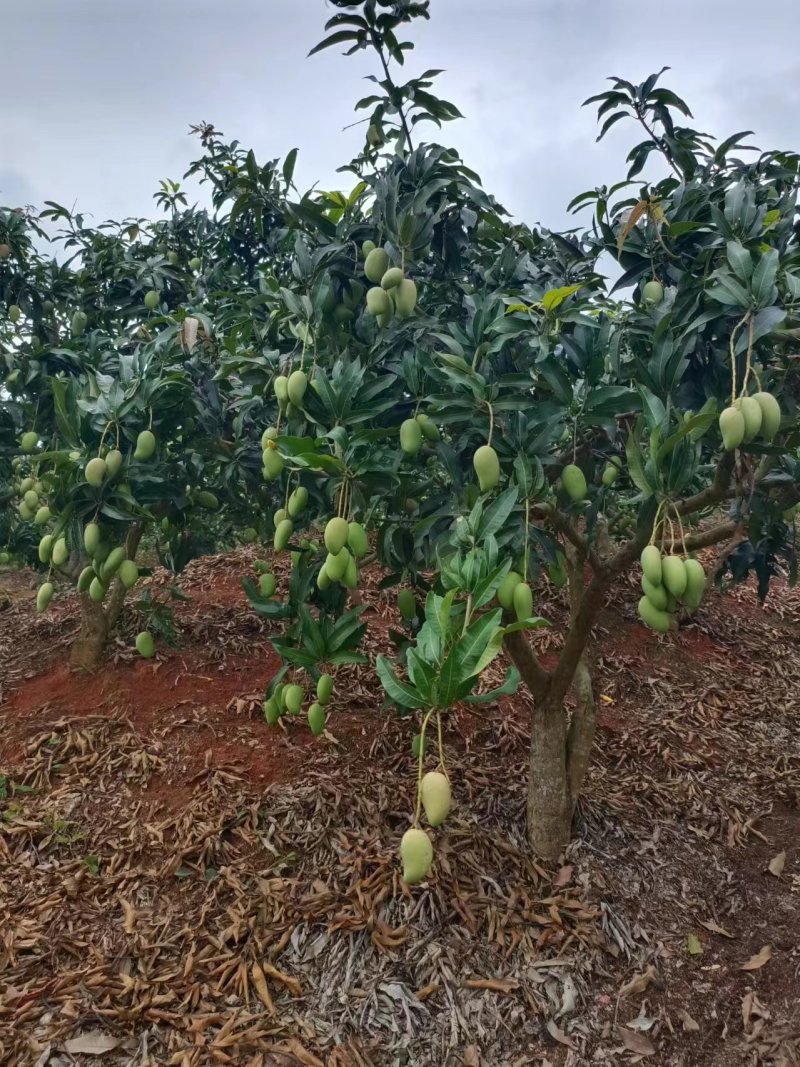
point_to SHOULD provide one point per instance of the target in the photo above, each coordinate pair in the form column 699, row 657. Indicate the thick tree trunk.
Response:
column 550, row 805
column 87, row 649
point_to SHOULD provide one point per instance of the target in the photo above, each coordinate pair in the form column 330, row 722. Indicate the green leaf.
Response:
column 553, row 298
column 508, row 688
column 400, row 692
column 633, row 454
column 762, row 283
column 740, row 260
column 471, row 647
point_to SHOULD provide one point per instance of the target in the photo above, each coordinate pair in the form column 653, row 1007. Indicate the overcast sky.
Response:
column 97, row 95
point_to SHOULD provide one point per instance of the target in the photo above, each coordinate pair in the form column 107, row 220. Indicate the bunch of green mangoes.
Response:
column 31, row 508
column 416, row 850
column 288, row 699
column 667, row 581
column 391, row 291
column 107, row 562
column 416, row 430
column 515, row 595
column 750, row 417
column 346, row 543
column 271, row 459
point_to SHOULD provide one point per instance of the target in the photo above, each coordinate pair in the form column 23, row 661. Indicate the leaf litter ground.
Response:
column 183, row 885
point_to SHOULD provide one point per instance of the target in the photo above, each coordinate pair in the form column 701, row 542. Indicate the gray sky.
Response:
column 97, row 95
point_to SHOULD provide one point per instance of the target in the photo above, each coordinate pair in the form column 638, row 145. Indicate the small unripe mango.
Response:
column 91, row 538
column 770, row 414
column 272, row 464
column 144, row 644
column 324, row 688
column 391, row 278
column 267, row 584
column 113, row 462
column 410, row 437
column 95, row 472
column 430, row 431
column 283, row 532
column 407, row 604
column 29, row 441
column 145, row 445
column 293, row 698
column 378, row 301
column 336, row 564
column 487, row 467
column 316, row 719
column 732, row 427
column 151, row 300
column 128, row 573
column 505, row 591
column 405, row 297
column 60, row 552
column 85, row 579
column 297, row 501
column 522, row 599
column 610, row 474
column 44, row 596
column 96, row 590
column 272, row 710
column 357, row 539
column 296, row 387
column 653, row 292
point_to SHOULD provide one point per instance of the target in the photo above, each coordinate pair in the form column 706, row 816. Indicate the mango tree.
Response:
column 474, row 394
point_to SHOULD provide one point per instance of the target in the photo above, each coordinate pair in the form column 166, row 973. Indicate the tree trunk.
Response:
column 87, row 649
column 550, row 805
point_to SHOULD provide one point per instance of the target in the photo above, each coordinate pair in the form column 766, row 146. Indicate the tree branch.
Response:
column 535, row 677
column 712, row 494
column 561, row 523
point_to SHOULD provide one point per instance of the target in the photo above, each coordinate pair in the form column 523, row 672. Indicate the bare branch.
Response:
column 712, row 494
column 561, row 522
column 535, row 677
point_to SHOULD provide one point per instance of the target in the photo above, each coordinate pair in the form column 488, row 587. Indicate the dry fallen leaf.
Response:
column 563, row 877
column 471, row 1057
column 558, row 1035
column 687, row 1021
column 636, row 1042
column 762, row 957
column 639, row 982
column 777, row 863
column 92, row 1043
column 715, row 928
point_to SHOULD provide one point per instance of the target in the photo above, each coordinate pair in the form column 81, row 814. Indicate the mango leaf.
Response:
column 400, row 692
column 740, row 259
column 636, row 471
column 762, row 283
column 494, row 517
column 509, row 686
column 553, row 298
column 764, row 322
column 471, row 646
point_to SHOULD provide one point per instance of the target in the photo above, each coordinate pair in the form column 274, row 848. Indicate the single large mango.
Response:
column 376, row 264
column 405, row 297
column 145, row 445
column 770, row 414
column 336, row 532
column 656, row 594
column 410, row 437
column 695, row 584
column 487, row 467
column 574, row 482
column 522, row 600
column 505, row 591
column 674, row 575
column 95, row 472
column 416, row 853
column 751, row 412
column 650, row 560
column 296, row 387
column 435, row 794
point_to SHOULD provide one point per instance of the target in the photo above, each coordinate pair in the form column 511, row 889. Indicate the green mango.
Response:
column 79, row 323
column 367, row 247
column 60, row 552
column 732, row 427
column 405, row 297
column 91, row 538
column 610, row 474
column 378, row 301
column 207, row 500
column 145, row 445
column 695, row 584
column 249, row 535
column 272, row 464
column 770, row 415
column 357, row 539
column 674, row 575
column 653, row 292
column 270, row 434
column 272, row 710
column 85, row 579
column 113, row 563
column 31, row 498
column 336, row 533
column 410, row 437
column 323, row 579
column 350, row 579
column 651, row 562
column 656, row 594
column 44, row 596
column 376, row 264
column 283, row 531
column 487, row 467
column 336, row 564
column 316, row 719
column 660, row 621
column 293, row 698
column 297, row 501
column 267, row 584
column 522, row 601
column 95, row 472
column 430, row 431
column 281, row 388
column 505, row 591
column 128, row 573
column 144, row 644
column 45, row 548
column 416, row 854
column 391, row 277
column 296, row 387
column 324, row 688
column 97, row 590
column 151, row 300
column 435, row 795
column 574, row 482
column 113, row 462
column 751, row 410
column 407, row 604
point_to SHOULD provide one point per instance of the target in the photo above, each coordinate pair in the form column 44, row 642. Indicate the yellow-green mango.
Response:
column 574, row 482
column 751, row 411
column 732, row 427
column 673, row 574
column 651, row 562
column 435, row 794
column 405, row 297
column 660, row 621
column 336, row 532
column 416, row 854
column 487, row 467
column 505, row 591
column 144, row 644
column 376, row 264
column 770, row 414
column 44, row 596
column 522, row 601
column 95, row 472
column 410, row 437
